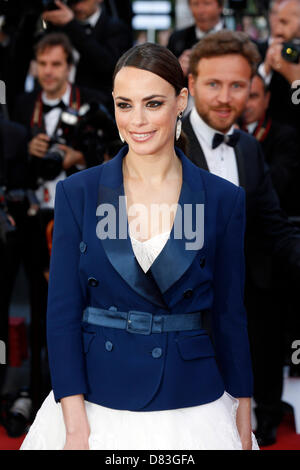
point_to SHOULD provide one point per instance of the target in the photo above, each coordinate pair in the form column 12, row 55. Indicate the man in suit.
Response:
column 98, row 38
column 207, row 16
column 220, row 88
column 280, row 145
column 277, row 72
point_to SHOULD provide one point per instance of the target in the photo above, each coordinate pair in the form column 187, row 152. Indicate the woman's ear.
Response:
column 182, row 99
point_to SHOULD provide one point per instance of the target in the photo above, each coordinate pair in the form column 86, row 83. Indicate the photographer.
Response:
column 277, row 69
column 98, row 38
column 56, row 150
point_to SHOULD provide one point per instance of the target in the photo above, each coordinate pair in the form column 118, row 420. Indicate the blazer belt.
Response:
column 143, row 323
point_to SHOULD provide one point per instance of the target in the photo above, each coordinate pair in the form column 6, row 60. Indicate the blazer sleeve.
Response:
column 229, row 318
column 65, row 303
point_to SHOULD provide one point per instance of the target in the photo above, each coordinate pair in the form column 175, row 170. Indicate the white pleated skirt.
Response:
column 211, row 426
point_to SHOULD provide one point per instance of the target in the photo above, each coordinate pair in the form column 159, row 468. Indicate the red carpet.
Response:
column 287, row 437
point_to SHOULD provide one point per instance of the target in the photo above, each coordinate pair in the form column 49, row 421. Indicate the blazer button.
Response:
column 83, row 247
column 156, row 353
column 93, row 282
column 202, row 262
column 188, row 293
column 108, row 345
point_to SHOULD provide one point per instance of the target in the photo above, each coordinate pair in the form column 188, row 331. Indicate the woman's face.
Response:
column 146, row 110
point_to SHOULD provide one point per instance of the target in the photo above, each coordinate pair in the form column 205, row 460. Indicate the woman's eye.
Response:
column 123, row 105
column 154, row 104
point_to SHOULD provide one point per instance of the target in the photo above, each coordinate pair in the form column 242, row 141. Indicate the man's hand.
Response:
column 59, row 17
column 275, row 61
column 72, row 157
column 38, row 146
column 184, row 61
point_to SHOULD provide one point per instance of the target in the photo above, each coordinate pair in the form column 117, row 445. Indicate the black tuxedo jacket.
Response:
column 13, row 154
column 182, row 39
column 99, row 51
column 281, row 149
column 268, row 231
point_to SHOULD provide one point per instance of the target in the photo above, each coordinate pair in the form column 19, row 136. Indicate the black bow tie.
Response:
column 231, row 140
column 47, row 108
column 88, row 27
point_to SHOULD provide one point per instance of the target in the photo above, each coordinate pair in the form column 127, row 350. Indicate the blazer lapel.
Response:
column 112, row 217
column 180, row 251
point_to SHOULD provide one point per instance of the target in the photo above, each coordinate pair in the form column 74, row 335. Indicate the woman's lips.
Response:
column 141, row 136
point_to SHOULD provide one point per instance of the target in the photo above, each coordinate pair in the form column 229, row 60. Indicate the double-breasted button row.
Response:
column 92, row 282
column 108, row 345
column 82, row 247
column 156, row 353
column 188, row 293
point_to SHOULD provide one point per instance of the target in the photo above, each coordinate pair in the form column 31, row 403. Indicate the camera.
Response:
column 291, row 51
column 90, row 130
column 49, row 5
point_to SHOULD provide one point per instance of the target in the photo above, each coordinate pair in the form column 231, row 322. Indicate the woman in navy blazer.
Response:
column 147, row 333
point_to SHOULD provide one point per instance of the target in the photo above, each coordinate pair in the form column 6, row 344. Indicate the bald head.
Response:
column 287, row 24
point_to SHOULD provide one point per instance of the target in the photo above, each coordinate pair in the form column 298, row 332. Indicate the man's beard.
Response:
column 205, row 115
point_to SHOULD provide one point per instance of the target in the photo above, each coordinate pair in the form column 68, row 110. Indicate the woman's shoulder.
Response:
column 83, row 177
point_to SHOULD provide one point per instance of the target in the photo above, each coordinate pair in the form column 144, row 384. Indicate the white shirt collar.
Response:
column 252, row 126
column 92, row 20
column 204, row 130
column 200, row 34
column 65, row 98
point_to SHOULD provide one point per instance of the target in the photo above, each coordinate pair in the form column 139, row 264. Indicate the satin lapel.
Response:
column 239, row 153
column 194, row 150
column 180, row 249
column 118, row 246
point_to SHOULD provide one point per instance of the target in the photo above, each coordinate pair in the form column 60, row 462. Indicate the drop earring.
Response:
column 179, row 125
column 121, row 138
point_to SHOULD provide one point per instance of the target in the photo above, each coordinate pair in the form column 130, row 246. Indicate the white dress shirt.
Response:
column 221, row 161
column 46, row 191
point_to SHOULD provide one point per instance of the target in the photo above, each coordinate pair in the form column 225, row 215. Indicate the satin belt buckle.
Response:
column 139, row 322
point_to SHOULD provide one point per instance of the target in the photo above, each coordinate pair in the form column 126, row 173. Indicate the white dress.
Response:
column 211, row 426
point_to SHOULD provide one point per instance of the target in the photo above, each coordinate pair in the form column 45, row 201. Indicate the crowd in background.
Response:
column 58, row 118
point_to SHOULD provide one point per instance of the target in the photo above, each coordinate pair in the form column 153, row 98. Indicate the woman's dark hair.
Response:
column 156, row 59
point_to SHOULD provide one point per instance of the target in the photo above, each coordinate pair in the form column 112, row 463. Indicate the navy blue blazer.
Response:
column 124, row 370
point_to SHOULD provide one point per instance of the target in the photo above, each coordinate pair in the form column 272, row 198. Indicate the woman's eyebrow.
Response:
column 144, row 99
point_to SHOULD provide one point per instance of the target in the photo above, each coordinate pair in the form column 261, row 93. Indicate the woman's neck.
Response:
column 153, row 169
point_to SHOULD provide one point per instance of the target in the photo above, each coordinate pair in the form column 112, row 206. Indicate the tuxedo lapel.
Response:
column 112, row 215
column 239, row 153
column 194, row 150
column 197, row 156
